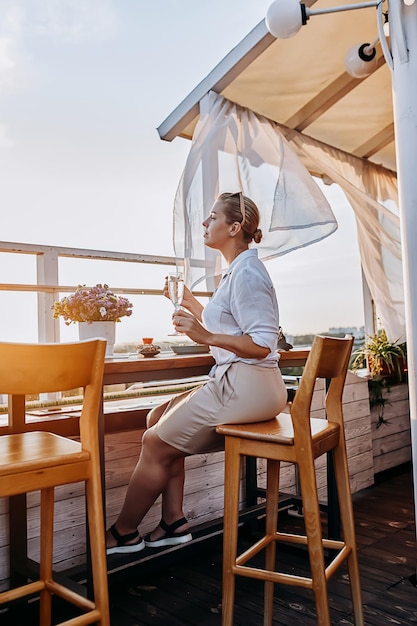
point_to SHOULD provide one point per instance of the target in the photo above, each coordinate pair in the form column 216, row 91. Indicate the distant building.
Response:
column 358, row 333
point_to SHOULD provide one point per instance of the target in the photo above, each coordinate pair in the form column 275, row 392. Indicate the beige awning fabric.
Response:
column 302, row 83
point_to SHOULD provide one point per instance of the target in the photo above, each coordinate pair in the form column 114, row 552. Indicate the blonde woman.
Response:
column 240, row 324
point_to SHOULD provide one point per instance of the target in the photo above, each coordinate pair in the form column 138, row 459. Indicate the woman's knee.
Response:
column 149, row 438
column 155, row 414
column 152, row 418
column 153, row 445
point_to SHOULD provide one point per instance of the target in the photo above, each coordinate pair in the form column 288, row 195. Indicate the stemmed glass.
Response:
column 176, row 291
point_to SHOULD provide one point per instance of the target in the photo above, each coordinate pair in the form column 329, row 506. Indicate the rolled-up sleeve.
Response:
column 254, row 305
column 245, row 303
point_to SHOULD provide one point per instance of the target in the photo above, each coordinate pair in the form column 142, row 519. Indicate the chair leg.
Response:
column 271, row 525
column 341, row 470
column 312, row 521
column 230, row 527
column 97, row 546
column 46, row 553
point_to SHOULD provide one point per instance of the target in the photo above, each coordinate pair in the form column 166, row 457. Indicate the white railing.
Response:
column 48, row 286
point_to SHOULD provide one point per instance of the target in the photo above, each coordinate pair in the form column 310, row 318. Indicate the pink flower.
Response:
column 92, row 304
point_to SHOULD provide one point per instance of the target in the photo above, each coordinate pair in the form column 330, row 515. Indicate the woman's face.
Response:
column 216, row 229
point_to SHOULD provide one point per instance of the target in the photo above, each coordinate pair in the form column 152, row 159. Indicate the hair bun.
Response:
column 257, row 235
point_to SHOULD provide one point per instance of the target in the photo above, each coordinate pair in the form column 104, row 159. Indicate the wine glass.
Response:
column 176, row 291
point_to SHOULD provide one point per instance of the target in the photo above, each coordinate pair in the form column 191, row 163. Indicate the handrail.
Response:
column 48, row 287
column 70, row 288
column 85, row 253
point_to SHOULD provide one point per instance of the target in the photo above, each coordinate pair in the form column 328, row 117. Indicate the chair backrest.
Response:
column 27, row 369
column 328, row 359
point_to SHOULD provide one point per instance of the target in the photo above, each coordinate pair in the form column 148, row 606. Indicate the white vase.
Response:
column 102, row 330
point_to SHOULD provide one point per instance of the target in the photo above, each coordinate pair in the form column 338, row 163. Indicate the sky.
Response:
column 84, row 84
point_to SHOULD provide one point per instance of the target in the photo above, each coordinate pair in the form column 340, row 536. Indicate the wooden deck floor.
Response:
column 188, row 592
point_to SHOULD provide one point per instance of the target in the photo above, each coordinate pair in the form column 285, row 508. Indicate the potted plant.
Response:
column 96, row 309
column 383, row 358
column 92, row 304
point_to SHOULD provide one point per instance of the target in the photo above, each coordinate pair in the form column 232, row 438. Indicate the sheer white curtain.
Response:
column 373, row 194
column 235, row 150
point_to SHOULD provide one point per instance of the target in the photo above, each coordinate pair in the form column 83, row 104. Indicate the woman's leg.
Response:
column 158, row 463
column 173, row 494
column 155, row 413
column 172, row 501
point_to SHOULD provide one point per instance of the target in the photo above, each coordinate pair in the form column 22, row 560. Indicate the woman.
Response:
column 240, row 324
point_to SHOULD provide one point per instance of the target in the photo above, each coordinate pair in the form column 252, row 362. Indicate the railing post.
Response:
column 47, row 274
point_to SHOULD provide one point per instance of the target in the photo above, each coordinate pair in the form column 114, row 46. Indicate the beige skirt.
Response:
column 237, row 393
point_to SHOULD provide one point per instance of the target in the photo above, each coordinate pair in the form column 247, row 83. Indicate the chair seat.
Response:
column 280, row 431
column 24, row 451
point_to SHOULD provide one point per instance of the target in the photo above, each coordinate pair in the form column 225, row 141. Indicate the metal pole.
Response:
column 403, row 35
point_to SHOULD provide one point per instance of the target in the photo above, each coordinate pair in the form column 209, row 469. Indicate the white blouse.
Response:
column 245, row 303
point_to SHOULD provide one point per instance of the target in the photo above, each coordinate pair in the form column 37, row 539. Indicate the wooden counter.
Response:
column 164, row 366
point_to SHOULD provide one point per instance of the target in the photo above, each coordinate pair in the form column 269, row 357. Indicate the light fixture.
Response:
column 409, row 2
column 284, row 18
column 360, row 60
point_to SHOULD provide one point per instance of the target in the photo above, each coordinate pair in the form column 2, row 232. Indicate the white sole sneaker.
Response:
column 127, row 549
column 169, row 541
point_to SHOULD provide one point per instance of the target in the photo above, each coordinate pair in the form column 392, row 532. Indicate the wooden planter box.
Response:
column 391, row 434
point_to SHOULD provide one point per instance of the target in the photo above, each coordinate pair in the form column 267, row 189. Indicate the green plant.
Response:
column 92, row 304
column 380, row 356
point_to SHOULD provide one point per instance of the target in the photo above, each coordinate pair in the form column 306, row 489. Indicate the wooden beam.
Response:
column 238, row 59
column 321, row 103
column 376, row 143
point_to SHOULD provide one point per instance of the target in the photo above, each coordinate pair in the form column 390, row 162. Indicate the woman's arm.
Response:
column 242, row 345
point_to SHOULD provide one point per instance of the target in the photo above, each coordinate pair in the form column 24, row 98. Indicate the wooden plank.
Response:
column 394, row 459
column 391, row 438
column 391, row 424
column 396, row 441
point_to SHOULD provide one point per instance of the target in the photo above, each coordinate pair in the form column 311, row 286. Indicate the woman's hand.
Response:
column 189, row 325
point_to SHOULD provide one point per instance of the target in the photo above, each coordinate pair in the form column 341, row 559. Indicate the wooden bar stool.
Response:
column 300, row 439
column 41, row 460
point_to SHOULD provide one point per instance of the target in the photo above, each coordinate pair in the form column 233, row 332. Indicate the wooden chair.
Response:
column 41, row 460
column 300, row 439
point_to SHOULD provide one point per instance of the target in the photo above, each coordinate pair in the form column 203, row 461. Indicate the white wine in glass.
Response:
column 176, row 291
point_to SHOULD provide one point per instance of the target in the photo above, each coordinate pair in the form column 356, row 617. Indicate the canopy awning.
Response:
column 302, row 84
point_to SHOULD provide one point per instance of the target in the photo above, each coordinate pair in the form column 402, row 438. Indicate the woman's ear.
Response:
column 236, row 227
